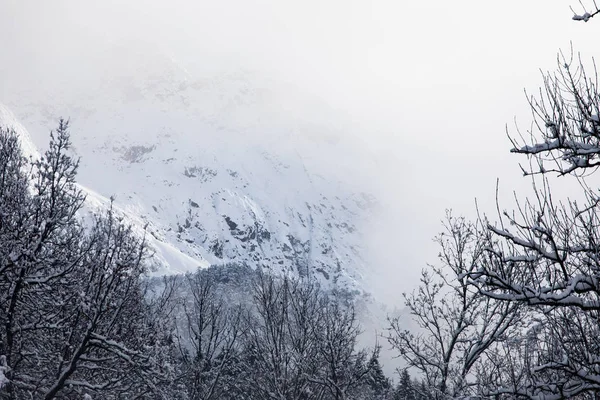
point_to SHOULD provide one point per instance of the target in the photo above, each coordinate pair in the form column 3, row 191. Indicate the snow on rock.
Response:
column 167, row 259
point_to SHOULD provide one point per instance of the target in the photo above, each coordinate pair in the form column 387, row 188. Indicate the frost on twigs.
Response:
column 565, row 137
column 585, row 16
column 70, row 296
column 460, row 330
column 545, row 255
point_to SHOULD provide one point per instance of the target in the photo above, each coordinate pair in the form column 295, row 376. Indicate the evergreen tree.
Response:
column 405, row 390
column 377, row 382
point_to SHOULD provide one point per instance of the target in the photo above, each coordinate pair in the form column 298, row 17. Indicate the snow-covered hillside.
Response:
column 221, row 167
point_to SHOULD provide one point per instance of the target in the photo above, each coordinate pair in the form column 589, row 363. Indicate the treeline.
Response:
column 80, row 318
column 283, row 339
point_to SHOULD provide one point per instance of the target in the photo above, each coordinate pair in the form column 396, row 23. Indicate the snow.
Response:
column 584, row 17
column 174, row 261
column 3, row 370
column 215, row 170
column 167, row 259
column 8, row 120
column 527, row 244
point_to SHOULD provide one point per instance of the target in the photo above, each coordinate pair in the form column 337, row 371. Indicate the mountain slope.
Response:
column 221, row 168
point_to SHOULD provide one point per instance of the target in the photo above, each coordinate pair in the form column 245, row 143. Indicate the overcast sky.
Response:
column 431, row 84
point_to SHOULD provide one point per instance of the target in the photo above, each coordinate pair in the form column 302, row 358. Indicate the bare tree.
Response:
column 100, row 348
column 72, row 309
column 457, row 326
column 40, row 242
column 209, row 336
column 345, row 369
column 301, row 343
column 280, row 341
column 546, row 254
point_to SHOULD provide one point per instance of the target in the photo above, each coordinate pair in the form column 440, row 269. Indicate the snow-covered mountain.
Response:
column 221, row 167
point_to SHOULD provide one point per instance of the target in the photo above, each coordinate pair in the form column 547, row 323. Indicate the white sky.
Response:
column 429, row 83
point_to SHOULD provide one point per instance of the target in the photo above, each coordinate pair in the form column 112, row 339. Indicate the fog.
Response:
column 427, row 86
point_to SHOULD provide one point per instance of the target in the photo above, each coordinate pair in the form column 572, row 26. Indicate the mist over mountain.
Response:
column 336, row 85
column 222, row 167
